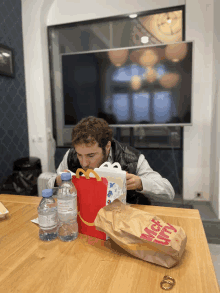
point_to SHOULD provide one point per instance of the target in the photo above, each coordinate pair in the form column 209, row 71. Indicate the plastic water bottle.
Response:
column 67, row 209
column 47, row 216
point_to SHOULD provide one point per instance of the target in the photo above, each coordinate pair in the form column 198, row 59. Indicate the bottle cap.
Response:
column 66, row 176
column 47, row 192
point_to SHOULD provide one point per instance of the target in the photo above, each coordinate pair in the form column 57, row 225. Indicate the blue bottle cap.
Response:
column 47, row 192
column 66, row 176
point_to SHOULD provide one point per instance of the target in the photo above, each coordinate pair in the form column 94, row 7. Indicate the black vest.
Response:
column 126, row 156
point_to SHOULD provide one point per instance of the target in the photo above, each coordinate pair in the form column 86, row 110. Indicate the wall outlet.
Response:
column 199, row 194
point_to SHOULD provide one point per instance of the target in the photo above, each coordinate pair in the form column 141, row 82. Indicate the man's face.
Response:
column 91, row 156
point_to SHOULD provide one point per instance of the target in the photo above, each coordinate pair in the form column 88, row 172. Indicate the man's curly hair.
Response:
column 90, row 130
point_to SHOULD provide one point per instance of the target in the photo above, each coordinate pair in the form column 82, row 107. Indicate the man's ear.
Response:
column 108, row 146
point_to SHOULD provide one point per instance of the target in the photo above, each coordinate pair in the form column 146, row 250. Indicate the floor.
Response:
column 215, row 253
column 212, row 229
column 211, row 226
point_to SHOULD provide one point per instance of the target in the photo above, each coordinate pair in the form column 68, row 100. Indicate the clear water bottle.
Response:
column 67, row 209
column 47, row 216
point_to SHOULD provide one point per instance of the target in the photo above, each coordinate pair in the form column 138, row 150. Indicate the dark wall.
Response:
column 168, row 163
column 13, row 111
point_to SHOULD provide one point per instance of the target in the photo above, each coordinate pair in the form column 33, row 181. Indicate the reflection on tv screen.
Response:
column 147, row 85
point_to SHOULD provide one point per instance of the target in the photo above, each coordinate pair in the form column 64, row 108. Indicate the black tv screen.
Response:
column 146, row 85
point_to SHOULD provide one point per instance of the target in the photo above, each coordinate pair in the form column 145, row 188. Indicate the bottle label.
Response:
column 66, row 206
column 47, row 222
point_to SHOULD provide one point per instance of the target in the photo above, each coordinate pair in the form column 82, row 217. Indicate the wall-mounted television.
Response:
column 147, row 86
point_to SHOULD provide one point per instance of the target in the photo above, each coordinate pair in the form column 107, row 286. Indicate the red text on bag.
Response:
column 160, row 238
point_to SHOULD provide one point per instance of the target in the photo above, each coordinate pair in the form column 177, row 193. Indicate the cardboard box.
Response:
column 116, row 181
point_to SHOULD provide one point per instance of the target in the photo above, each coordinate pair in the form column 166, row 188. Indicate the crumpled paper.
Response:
column 35, row 221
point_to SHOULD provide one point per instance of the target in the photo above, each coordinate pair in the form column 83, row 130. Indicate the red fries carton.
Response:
column 91, row 197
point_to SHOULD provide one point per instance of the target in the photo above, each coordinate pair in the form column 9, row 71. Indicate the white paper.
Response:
column 6, row 212
column 3, row 210
column 113, row 192
column 116, row 181
column 35, row 221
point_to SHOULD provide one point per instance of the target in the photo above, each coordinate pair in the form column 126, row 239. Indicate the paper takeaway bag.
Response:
column 142, row 234
column 116, row 181
column 91, row 197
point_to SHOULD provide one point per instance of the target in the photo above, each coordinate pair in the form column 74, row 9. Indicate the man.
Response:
column 93, row 145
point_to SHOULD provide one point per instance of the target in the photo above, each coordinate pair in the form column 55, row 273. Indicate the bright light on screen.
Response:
column 121, row 107
column 125, row 73
column 162, row 107
column 141, row 104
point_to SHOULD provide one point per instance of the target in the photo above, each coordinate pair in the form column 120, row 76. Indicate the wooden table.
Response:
column 86, row 265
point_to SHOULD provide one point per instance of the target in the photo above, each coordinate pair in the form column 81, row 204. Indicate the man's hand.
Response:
column 133, row 182
column 58, row 179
